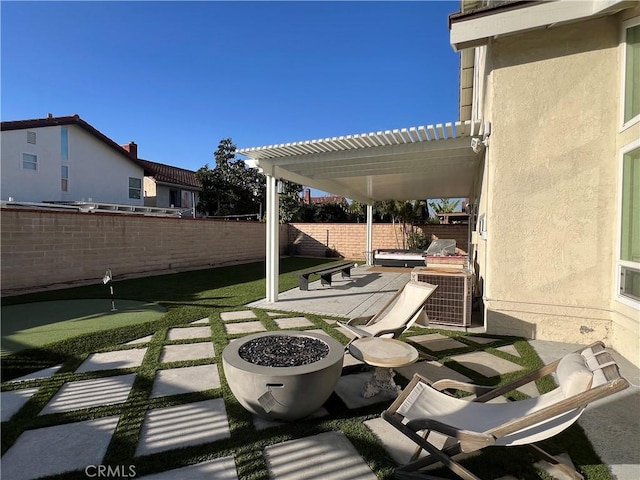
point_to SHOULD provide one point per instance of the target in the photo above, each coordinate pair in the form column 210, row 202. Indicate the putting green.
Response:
column 36, row 324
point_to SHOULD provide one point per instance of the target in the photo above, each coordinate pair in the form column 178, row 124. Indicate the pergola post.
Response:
column 369, row 247
column 272, row 240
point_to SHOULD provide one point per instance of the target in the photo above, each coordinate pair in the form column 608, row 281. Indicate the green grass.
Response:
column 37, row 324
column 194, row 295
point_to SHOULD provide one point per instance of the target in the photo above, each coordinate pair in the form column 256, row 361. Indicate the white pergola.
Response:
column 404, row 164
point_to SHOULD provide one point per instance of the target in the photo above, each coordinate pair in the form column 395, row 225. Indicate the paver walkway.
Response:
column 186, row 408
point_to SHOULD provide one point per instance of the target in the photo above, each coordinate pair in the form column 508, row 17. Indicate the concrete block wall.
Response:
column 45, row 248
column 349, row 239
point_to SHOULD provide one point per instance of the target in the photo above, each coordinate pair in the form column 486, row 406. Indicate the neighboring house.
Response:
column 169, row 187
column 66, row 159
column 558, row 192
column 308, row 199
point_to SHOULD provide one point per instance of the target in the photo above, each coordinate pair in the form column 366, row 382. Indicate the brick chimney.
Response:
column 132, row 148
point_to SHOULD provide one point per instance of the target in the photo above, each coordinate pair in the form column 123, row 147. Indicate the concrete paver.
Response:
column 90, row 393
column 137, row 341
column 437, row 342
column 480, row 340
column 327, row 455
column 350, row 387
column 202, row 321
column 189, row 424
column 431, row 370
column 58, row 449
column 44, row 373
column 113, row 360
column 11, row 402
column 238, row 315
column 510, row 349
column 486, row 364
column 293, row 322
column 175, row 381
column 219, row 469
column 186, row 351
column 188, row 332
column 244, row 327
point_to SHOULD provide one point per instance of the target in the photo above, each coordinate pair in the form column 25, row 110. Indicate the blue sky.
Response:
column 177, row 77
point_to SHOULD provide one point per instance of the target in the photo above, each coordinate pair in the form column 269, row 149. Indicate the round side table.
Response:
column 384, row 354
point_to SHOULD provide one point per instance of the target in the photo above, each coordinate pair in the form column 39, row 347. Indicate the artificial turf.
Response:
column 193, row 295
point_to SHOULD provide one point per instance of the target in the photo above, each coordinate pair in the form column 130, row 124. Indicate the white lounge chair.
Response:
column 445, row 426
column 399, row 314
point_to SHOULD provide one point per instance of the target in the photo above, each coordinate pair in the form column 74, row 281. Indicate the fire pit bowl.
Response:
column 285, row 375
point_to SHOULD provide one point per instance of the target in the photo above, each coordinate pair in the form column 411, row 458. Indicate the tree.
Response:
column 444, row 205
column 406, row 212
column 289, row 201
column 230, row 188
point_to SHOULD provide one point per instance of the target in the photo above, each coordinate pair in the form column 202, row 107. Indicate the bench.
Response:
column 325, row 273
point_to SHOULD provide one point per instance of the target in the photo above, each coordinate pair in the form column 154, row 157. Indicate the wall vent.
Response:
column 31, row 137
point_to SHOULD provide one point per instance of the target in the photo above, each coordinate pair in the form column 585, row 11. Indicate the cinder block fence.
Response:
column 43, row 248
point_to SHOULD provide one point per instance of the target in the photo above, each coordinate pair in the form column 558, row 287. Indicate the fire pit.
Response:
column 284, row 375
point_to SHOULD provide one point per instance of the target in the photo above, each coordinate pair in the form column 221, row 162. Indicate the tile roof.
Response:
column 168, row 174
column 52, row 121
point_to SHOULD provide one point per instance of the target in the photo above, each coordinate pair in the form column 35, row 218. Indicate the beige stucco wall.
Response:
column 549, row 186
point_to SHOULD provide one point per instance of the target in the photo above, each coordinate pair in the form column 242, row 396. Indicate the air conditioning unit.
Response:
column 451, row 303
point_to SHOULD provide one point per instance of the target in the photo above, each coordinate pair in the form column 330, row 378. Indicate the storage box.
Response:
column 451, row 303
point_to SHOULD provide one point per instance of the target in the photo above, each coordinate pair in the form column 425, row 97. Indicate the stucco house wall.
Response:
column 96, row 170
column 549, row 186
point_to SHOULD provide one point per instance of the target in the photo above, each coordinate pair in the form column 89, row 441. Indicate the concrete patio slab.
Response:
column 188, row 332
column 238, row 315
column 437, row 342
column 219, row 469
column 350, row 388
column 327, row 455
column 190, row 424
column 486, row 364
column 90, row 393
column 176, row 381
column 58, row 449
column 202, row 321
column 113, row 360
column 44, row 373
column 244, row 327
column 186, row 351
column 137, row 341
column 365, row 293
column 293, row 322
column 431, row 370
column 11, row 402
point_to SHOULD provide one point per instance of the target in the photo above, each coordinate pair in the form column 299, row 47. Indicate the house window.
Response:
column 174, row 198
column 64, row 144
column 629, row 258
column 65, row 178
column 31, row 137
column 135, row 187
column 631, row 74
column 29, row 161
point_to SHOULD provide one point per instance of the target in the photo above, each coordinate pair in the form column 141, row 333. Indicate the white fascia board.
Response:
column 477, row 30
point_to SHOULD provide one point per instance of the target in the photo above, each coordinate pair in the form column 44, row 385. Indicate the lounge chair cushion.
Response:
column 574, row 376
